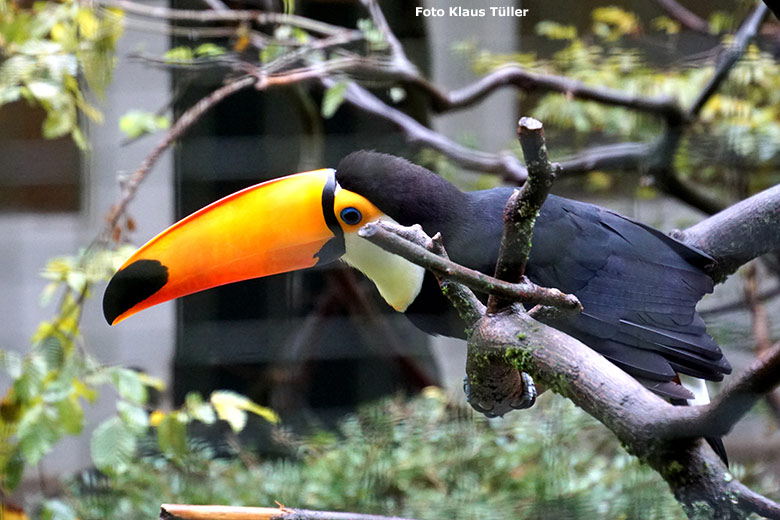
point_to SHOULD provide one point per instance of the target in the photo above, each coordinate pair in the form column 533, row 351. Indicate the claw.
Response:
column 500, row 405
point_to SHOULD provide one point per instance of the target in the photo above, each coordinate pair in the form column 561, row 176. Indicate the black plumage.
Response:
column 638, row 287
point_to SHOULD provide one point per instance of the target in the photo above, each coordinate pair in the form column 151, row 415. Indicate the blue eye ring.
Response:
column 351, row 216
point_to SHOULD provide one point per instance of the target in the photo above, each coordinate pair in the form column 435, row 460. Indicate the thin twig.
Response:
column 397, row 50
column 182, row 124
column 620, row 156
column 385, row 235
column 688, row 19
column 739, row 304
column 761, row 332
column 469, row 308
column 527, row 81
column 506, row 164
column 223, row 15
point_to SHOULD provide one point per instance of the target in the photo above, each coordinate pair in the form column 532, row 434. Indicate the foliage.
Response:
column 429, row 457
column 46, row 49
column 58, row 377
column 740, row 124
column 190, row 55
column 333, row 99
column 137, row 123
column 54, row 380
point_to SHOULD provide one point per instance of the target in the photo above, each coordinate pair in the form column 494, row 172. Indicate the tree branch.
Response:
column 730, row 405
column 527, row 81
column 183, row 123
column 196, row 512
column 620, row 156
column 522, row 208
column 739, row 233
column 223, row 15
column 635, row 415
column 386, row 236
column 506, row 164
column 761, row 330
column 730, row 56
column 688, row 19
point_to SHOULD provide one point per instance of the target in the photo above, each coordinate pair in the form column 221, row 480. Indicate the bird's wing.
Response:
column 638, row 287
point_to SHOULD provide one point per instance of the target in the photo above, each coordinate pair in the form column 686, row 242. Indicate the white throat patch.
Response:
column 399, row 281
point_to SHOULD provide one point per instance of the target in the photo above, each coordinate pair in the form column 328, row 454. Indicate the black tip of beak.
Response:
column 132, row 285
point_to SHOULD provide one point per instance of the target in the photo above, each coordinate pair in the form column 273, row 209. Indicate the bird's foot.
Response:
column 488, row 401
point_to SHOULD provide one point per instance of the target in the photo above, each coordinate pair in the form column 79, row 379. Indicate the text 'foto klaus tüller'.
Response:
column 470, row 12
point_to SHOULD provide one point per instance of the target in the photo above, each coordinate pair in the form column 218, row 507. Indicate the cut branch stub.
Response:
column 522, row 209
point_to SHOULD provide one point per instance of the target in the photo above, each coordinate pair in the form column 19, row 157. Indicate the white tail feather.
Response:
column 698, row 388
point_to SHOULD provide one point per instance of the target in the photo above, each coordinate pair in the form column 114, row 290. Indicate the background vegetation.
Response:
column 428, row 457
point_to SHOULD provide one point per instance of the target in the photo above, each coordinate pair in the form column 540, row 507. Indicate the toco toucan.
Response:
column 638, row 287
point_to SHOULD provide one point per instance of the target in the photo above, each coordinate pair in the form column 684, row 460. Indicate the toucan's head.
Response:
column 283, row 225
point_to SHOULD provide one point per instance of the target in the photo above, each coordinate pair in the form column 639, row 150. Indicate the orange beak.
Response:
column 274, row 227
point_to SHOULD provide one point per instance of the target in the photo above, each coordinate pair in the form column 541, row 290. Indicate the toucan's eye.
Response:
column 351, row 216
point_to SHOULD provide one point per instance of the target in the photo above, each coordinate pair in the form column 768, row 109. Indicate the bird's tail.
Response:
column 698, row 388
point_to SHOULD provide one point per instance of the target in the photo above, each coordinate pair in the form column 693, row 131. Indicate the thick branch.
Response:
column 557, row 361
column 386, row 236
column 739, row 233
column 522, row 208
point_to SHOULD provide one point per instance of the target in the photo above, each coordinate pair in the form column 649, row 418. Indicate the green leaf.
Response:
column 206, row 50
column 53, row 352
column 179, row 55
column 231, row 406
column 29, row 384
column 198, row 409
column 227, row 411
column 112, row 446
column 129, row 384
column 372, row 34
column 333, row 99
column 57, row 510
column 134, row 416
column 44, row 90
column 9, row 94
column 12, row 363
column 71, row 415
column 397, row 94
column 13, row 470
column 59, row 121
column 172, row 435
column 138, row 122
column 271, row 52
column 556, row 31
column 38, row 431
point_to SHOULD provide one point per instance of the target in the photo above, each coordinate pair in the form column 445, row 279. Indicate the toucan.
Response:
column 638, row 287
